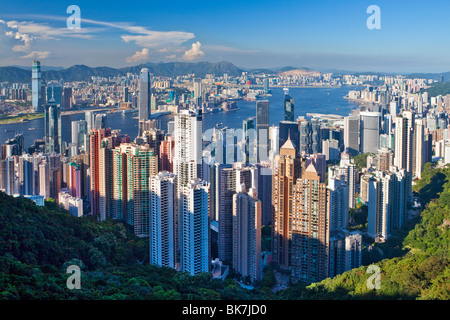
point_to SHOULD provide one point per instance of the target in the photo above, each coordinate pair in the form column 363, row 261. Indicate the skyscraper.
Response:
column 370, row 123
column 404, row 143
column 310, row 229
column 262, row 130
column 96, row 137
column 289, row 129
column 144, row 95
column 247, row 233
column 162, row 219
column 36, row 98
column 351, row 135
column 248, row 127
column 387, row 197
column 287, row 170
column 288, row 108
column 195, row 227
column 52, row 129
column 55, row 92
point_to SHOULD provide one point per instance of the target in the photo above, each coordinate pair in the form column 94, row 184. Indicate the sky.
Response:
column 324, row 34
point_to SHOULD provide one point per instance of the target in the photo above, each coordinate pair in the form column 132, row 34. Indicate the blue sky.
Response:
column 414, row 35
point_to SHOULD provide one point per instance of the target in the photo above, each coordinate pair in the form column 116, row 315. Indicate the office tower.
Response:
column 370, row 123
column 387, row 197
column 37, row 99
column 227, row 149
column 310, row 233
column 288, row 108
column 274, row 146
column 54, row 161
column 79, row 135
column 247, row 233
column 288, row 129
column 55, row 92
column 248, row 127
column 337, row 203
column 419, row 148
column 330, row 149
column 262, row 130
column 67, row 98
column 195, row 227
column 305, row 132
column 385, row 159
column 316, row 139
column 52, row 127
column 125, row 95
column 387, row 141
column 286, row 172
column 162, row 219
column 351, row 135
column 26, row 175
column 166, row 153
column 144, row 95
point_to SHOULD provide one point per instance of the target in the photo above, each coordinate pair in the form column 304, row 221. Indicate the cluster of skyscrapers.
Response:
column 203, row 195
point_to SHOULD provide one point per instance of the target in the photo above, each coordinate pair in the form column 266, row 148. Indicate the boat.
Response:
column 31, row 129
column 129, row 110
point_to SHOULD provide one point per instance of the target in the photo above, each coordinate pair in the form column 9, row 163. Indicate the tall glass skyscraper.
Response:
column 52, row 119
column 288, row 108
column 262, row 130
column 36, row 86
column 144, row 95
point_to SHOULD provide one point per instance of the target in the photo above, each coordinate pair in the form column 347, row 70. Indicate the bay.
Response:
column 306, row 100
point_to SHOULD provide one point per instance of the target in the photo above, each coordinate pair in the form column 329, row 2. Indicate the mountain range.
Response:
column 169, row 69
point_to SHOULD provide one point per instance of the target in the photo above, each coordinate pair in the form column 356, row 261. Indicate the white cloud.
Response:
column 172, row 56
column 12, row 39
column 47, row 32
column 36, row 55
column 139, row 56
column 194, row 53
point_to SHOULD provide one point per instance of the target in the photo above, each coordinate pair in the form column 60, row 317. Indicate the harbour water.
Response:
column 307, row 100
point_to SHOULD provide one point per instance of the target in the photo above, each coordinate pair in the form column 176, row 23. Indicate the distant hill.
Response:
column 438, row 88
column 84, row 73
